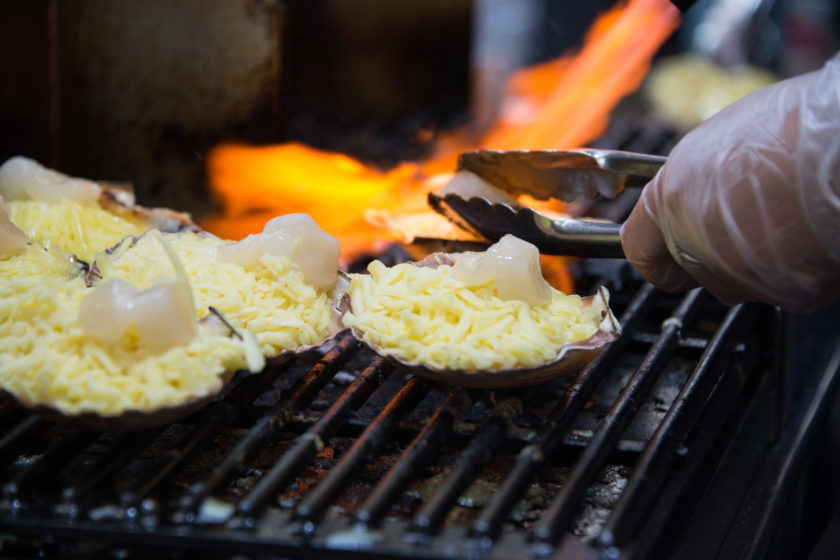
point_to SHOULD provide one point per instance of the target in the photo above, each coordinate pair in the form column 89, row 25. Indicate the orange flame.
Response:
column 258, row 183
column 561, row 104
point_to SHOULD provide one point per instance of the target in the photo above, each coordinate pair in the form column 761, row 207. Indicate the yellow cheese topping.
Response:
column 71, row 227
column 46, row 357
column 270, row 300
column 425, row 316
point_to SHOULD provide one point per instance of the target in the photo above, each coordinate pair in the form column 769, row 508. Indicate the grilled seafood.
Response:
column 114, row 316
column 427, row 319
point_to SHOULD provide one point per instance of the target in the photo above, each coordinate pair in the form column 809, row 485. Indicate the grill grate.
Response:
column 341, row 454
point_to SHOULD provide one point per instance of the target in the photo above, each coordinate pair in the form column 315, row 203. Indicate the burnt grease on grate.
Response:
column 341, row 454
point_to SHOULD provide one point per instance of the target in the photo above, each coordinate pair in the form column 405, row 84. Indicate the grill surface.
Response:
column 685, row 438
column 341, row 454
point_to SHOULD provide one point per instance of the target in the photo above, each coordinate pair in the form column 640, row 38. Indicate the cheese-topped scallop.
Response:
column 77, row 216
column 71, row 227
column 438, row 318
column 50, row 360
column 268, row 297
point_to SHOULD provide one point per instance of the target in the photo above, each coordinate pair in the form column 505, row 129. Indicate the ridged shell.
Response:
column 568, row 359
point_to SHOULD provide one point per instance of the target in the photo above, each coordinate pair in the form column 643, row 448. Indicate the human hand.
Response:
column 748, row 203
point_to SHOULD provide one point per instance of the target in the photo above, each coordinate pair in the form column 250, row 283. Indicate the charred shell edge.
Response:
column 120, row 200
column 569, row 358
column 130, row 420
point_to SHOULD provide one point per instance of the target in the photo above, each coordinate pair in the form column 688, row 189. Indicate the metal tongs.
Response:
column 543, row 174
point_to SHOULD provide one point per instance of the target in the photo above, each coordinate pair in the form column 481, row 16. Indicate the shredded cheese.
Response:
column 46, row 358
column 72, row 227
column 270, row 300
column 425, row 316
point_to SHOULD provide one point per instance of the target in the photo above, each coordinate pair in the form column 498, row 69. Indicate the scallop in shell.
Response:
column 178, row 328
column 215, row 351
column 559, row 360
column 53, row 365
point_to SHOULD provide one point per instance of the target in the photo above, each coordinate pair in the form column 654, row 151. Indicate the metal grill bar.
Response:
column 91, row 478
column 208, row 422
column 481, row 448
column 362, row 451
column 651, row 469
column 307, row 445
column 18, row 436
column 268, row 425
column 51, row 460
column 550, row 435
column 785, row 481
column 414, row 457
column 783, row 386
column 553, row 524
column 701, row 455
column 80, row 493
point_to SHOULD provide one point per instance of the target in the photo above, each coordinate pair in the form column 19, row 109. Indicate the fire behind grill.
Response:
column 341, row 454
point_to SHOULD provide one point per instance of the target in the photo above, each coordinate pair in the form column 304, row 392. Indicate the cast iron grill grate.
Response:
column 669, row 444
column 340, row 454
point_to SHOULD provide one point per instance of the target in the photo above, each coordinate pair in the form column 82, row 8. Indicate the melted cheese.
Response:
column 426, row 316
column 271, row 300
column 46, row 358
column 71, row 227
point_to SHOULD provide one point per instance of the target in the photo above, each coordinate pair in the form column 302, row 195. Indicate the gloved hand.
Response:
column 748, row 203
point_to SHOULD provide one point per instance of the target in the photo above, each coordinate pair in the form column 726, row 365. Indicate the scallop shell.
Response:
column 133, row 420
column 568, row 359
column 120, row 200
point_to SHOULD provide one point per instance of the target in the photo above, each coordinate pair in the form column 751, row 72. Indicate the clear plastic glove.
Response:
column 748, row 203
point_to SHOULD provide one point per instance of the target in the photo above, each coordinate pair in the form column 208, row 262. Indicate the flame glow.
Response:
column 561, row 104
column 258, row 183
